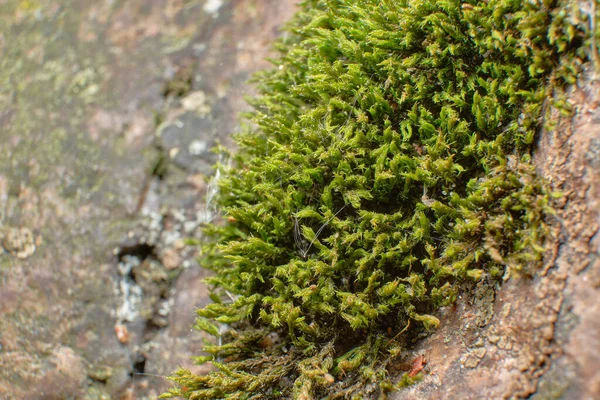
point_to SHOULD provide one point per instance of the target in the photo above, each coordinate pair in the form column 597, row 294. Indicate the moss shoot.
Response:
column 388, row 162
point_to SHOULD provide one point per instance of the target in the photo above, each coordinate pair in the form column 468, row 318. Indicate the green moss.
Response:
column 388, row 163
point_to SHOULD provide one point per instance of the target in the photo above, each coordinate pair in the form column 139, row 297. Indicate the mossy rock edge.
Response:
column 388, row 162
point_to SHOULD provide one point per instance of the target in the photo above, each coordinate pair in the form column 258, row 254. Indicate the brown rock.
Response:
column 171, row 259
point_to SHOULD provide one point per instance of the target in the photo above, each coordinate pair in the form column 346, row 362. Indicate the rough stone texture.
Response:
column 541, row 339
column 571, row 160
column 97, row 287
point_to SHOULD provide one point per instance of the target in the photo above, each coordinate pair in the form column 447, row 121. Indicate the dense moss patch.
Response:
column 388, row 164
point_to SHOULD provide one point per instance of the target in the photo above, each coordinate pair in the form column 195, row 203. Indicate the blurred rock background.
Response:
column 108, row 113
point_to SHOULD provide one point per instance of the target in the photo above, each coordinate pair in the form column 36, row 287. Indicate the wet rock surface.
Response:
column 108, row 112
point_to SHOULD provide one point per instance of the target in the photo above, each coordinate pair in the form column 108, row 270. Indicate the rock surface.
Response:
column 108, row 112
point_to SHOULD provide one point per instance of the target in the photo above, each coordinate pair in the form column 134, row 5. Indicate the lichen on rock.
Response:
column 388, row 163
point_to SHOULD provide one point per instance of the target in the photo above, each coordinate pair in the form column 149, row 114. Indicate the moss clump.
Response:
column 389, row 163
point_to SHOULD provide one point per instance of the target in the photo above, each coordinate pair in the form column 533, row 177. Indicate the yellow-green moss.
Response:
column 389, row 163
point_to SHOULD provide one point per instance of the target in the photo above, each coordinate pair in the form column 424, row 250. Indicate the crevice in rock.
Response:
column 139, row 365
column 141, row 251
